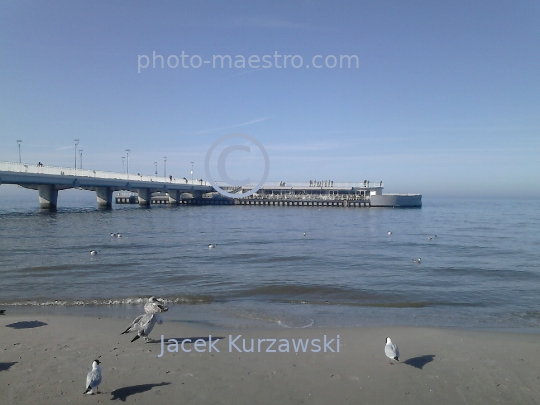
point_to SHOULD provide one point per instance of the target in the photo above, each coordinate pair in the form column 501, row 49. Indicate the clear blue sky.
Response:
column 445, row 98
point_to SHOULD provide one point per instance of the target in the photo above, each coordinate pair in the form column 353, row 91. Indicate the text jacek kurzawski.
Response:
column 237, row 344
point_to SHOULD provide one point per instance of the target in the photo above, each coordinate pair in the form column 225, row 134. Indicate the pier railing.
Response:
column 64, row 171
column 306, row 185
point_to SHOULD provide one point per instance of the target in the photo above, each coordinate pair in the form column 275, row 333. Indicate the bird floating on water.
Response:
column 94, row 252
column 430, row 237
column 211, row 246
column 389, row 232
column 93, row 379
column 418, row 261
column 304, row 234
column 391, row 350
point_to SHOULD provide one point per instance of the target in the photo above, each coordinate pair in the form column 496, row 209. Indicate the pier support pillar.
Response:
column 174, row 197
column 48, row 196
column 104, row 197
column 144, row 197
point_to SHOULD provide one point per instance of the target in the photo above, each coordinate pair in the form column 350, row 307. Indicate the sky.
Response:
column 441, row 98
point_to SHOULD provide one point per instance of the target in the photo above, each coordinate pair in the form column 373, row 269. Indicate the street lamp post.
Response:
column 127, row 161
column 165, row 166
column 191, row 172
column 80, row 162
column 19, row 143
column 76, row 143
column 123, row 164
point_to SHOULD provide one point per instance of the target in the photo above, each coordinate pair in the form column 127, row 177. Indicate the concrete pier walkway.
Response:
column 49, row 180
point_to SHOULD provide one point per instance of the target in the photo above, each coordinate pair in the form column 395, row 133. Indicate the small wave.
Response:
column 285, row 324
column 190, row 300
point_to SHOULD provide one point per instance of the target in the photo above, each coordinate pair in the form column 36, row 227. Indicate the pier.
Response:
column 48, row 180
column 146, row 190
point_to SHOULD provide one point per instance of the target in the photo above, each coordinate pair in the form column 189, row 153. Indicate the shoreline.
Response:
column 212, row 316
column 48, row 360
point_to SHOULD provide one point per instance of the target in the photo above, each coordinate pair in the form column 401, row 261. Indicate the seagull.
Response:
column 429, row 237
column 93, row 379
column 154, row 306
column 119, row 235
column 94, row 252
column 304, row 234
column 391, row 350
column 143, row 325
column 418, row 261
column 113, row 235
column 389, row 232
column 435, row 235
column 211, row 246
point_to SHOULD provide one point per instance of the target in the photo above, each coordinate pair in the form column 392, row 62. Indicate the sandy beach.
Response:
column 45, row 360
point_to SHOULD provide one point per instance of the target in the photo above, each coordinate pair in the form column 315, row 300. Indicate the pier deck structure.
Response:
column 296, row 194
column 144, row 189
column 48, row 180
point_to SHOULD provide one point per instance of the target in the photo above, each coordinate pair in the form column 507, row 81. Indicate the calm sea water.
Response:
column 482, row 270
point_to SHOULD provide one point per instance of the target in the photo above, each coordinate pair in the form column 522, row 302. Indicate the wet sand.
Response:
column 45, row 359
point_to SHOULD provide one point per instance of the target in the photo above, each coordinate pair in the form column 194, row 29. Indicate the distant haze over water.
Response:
column 482, row 270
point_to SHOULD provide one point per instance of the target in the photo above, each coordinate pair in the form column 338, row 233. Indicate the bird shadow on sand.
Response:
column 123, row 393
column 26, row 324
column 191, row 339
column 6, row 366
column 420, row 361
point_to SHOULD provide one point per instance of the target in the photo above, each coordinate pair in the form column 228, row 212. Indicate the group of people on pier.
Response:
column 321, row 183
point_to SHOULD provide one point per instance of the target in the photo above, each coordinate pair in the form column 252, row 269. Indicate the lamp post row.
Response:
column 124, row 158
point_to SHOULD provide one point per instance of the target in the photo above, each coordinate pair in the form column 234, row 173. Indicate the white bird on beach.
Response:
column 418, row 261
column 93, row 379
column 155, row 306
column 94, row 252
column 143, row 325
column 391, row 350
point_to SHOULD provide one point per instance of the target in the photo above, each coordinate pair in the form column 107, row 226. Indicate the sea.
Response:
column 479, row 269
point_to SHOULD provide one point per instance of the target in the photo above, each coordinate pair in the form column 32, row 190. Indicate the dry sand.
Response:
column 45, row 361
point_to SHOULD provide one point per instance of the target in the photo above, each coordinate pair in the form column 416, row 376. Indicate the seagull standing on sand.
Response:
column 391, row 350
column 143, row 325
column 93, row 379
